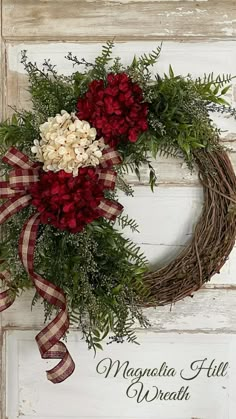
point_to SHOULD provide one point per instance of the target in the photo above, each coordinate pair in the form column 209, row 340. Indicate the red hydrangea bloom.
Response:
column 67, row 202
column 115, row 108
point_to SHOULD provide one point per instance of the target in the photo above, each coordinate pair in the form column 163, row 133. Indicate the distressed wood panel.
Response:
column 124, row 19
column 100, row 397
column 210, row 310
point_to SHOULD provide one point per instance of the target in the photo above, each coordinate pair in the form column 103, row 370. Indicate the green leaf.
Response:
column 225, row 90
column 117, row 289
column 171, row 72
column 98, row 346
column 137, row 172
column 186, row 148
column 96, row 333
column 134, row 62
column 107, row 330
column 14, row 119
column 216, row 90
column 152, row 180
column 154, row 147
column 222, row 101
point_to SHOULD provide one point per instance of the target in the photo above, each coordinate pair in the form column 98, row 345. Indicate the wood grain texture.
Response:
column 208, row 311
column 124, row 19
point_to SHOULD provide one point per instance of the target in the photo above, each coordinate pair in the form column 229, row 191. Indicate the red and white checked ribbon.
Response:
column 6, row 299
column 108, row 208
column 23, row 174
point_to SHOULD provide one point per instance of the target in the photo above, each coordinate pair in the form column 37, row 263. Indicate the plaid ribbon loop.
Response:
column 24, row 172
column 6, row 298
column 108, row 208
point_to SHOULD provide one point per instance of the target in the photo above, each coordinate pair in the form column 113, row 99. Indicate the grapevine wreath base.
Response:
column 63, row 163
column 213, row 237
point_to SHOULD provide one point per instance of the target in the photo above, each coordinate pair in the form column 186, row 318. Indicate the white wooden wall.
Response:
column 199, row 36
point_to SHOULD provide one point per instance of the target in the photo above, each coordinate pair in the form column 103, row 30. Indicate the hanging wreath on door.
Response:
column 62, row 165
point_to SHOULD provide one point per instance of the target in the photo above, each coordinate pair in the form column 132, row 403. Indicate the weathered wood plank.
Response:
column 124, row 19
column 209, row 310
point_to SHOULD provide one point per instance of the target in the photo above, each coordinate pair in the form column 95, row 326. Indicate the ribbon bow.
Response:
column 23, row 174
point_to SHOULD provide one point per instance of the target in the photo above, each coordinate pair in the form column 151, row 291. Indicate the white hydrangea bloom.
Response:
column 67, row 144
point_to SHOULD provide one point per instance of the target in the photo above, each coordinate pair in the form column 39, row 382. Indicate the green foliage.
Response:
column 96, row 71
column 99, row 270
column 228, row 110
column 180, row 106
column 19, row 131
column 124, row 221
column 50, row 92
column 101, row 61
column 124, row 186
column 150, row 59
column 212, row 89
column 140, row 72
column 221, row 79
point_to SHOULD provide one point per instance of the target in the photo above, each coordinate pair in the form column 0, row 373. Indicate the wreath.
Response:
column 62, row 165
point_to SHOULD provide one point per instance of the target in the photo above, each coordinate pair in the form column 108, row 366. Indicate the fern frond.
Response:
column 105, row 57
column 151, row 58
column 211, row 79
column 134, row 254
column 124, row 186
column 125, row 221
column 169, row 150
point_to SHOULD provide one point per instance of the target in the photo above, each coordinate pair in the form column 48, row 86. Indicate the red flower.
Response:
column 67, row 202
column 116, row 109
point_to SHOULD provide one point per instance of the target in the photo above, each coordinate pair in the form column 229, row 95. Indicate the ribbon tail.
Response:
column 107, row 178
column 6, row 191
column 6, row 298
column 51, row 348
column 17, row 159
column 109, row 209
column 110, row 158
column 48, row 339
column 13, row 205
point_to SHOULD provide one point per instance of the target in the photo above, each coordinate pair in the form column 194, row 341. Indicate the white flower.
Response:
column 37, row 150
column 67, row 143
